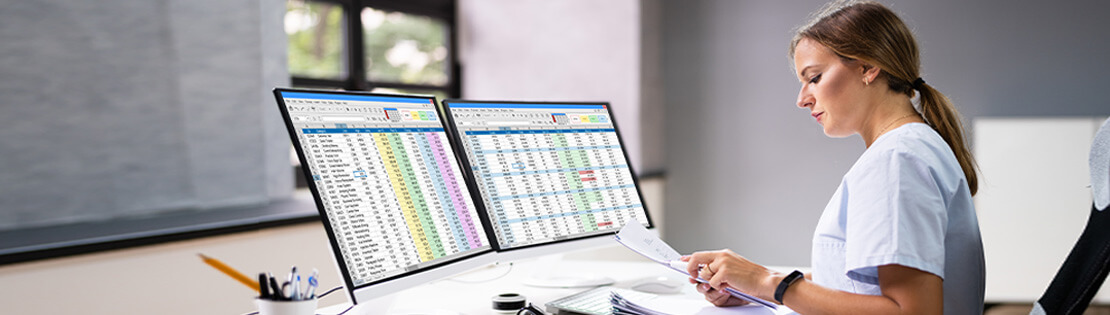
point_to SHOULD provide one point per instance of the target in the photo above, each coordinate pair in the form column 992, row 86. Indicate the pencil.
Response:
column 253, row 284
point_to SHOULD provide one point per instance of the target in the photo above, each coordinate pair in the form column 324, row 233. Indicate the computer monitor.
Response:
column 389, row 188
column 553, row 177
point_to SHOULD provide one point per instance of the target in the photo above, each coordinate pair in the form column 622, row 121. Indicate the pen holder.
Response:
column 272, row 307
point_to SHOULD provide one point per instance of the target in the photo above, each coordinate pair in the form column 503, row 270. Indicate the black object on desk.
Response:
column 263, row 287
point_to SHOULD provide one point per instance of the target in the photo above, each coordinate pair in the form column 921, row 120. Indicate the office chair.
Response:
column 1088, row 263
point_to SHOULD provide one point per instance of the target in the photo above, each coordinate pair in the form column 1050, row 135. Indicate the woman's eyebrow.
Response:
column 802, row 73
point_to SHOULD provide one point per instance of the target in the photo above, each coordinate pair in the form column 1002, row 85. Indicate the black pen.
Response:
column 276, row 296
column 263, row 287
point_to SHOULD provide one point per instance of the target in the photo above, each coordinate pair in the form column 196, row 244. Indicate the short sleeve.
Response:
column 896, row 215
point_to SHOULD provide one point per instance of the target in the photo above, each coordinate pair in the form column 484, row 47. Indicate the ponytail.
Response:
column 943, row 117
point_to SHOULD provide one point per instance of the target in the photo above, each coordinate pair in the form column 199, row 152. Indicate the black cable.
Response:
column 329, row 291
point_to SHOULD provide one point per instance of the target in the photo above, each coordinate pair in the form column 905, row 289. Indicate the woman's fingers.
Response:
column 703, row 288
column 717, row 297
column 697, row 262
column 705, row 273
column 717, row 280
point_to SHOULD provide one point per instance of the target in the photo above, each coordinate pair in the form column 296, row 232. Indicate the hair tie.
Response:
column 918, row 83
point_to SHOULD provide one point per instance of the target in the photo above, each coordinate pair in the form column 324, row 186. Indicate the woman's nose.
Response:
column 804, row 99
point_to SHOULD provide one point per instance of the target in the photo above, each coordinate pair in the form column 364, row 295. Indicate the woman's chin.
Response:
column 832, row 133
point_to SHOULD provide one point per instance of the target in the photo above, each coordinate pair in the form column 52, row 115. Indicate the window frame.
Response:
column 355, row 59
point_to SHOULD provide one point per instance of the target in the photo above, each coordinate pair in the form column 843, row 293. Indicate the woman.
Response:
column 900, row 234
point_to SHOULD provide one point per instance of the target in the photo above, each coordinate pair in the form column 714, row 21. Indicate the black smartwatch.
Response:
column 785, row 283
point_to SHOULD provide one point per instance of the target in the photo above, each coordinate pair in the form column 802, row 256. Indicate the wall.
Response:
column 754, row 172
column 747, row 170
column 122, row 108
column 567, row 51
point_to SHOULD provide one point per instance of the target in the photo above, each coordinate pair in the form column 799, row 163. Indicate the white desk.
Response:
column 462, row 295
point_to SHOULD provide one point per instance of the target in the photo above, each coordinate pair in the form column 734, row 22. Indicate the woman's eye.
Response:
column 815, row 79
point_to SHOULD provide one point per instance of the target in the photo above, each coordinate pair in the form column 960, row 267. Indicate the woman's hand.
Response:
column 717, row 297
column 725, row 269
column 905, row 290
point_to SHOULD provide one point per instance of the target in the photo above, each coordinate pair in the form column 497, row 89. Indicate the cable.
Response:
column 328, row 291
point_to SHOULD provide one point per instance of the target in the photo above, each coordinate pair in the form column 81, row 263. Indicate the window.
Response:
column 150, row 155
column 315, row 32
column 386, row 46
column 373, row 45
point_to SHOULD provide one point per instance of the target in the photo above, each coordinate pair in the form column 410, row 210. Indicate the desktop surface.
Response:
column 470, row 293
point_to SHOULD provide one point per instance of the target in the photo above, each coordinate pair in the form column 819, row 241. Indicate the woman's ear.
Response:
column 870, row 72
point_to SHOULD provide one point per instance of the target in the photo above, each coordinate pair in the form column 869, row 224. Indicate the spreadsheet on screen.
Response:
column 547, row 172
column 389, row 181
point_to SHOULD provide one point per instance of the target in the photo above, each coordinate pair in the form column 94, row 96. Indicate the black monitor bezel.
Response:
column 332, row 238
column 470, row 177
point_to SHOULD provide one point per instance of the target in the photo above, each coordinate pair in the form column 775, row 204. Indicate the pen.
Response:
column 297, row 289
column 292, row 273
column 678, row 264
column 263, row 287
column 278, row 295
column 292, row 285
column 250, row 283
column 313, row 282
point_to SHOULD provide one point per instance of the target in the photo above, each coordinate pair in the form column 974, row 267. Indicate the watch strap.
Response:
column 785, row 283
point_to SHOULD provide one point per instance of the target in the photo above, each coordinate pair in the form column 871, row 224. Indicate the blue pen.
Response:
column 297, row 289
column 313, row 282
column 292, row 295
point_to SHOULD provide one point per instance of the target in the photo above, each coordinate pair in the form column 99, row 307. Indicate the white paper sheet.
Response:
column 637, row 238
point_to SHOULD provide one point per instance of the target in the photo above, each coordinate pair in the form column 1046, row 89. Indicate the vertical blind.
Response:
column 116, row 108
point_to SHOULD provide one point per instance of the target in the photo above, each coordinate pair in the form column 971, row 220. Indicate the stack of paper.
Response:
column 622, row 306
column 668, row 305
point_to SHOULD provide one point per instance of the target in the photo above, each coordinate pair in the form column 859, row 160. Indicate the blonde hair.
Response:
column 871, row 32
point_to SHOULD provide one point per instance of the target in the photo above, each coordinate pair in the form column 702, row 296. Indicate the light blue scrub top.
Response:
column 904, row 202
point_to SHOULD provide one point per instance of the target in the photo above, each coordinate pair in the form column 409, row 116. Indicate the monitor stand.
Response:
column 547, row 274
